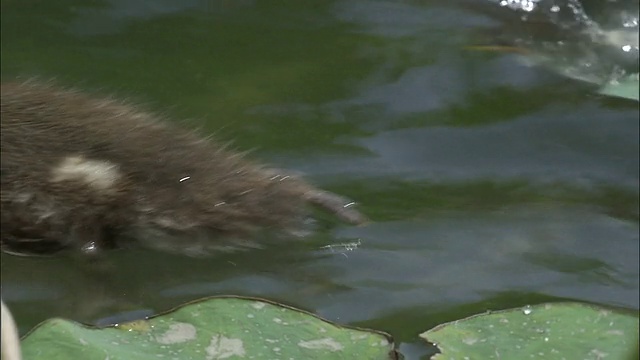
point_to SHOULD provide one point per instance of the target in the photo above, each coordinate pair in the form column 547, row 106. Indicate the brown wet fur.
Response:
column 163, row 182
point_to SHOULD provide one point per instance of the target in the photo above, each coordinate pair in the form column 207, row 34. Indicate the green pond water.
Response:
column 491, row 184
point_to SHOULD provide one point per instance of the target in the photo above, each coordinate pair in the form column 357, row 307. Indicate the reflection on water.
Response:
column 491, row 183
column 545, row 146
column 115, row 15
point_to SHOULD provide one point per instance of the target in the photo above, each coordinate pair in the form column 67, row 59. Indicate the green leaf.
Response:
column 213, row 328
column 546, row 331
column 627, row 87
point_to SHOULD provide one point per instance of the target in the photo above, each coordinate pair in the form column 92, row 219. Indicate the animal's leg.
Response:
column 336, row 204
column 341, row 207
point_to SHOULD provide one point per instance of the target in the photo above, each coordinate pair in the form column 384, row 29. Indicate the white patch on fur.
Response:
column 98, row 174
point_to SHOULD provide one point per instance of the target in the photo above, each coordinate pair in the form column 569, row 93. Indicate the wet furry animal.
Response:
column 87, row 173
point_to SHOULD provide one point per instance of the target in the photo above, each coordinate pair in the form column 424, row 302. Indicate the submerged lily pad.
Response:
column 546, row 331
column 213, row 328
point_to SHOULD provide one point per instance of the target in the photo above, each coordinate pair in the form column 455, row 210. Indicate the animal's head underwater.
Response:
column 87, row 173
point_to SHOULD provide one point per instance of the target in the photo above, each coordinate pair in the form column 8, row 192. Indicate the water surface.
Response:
column 491, row 183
